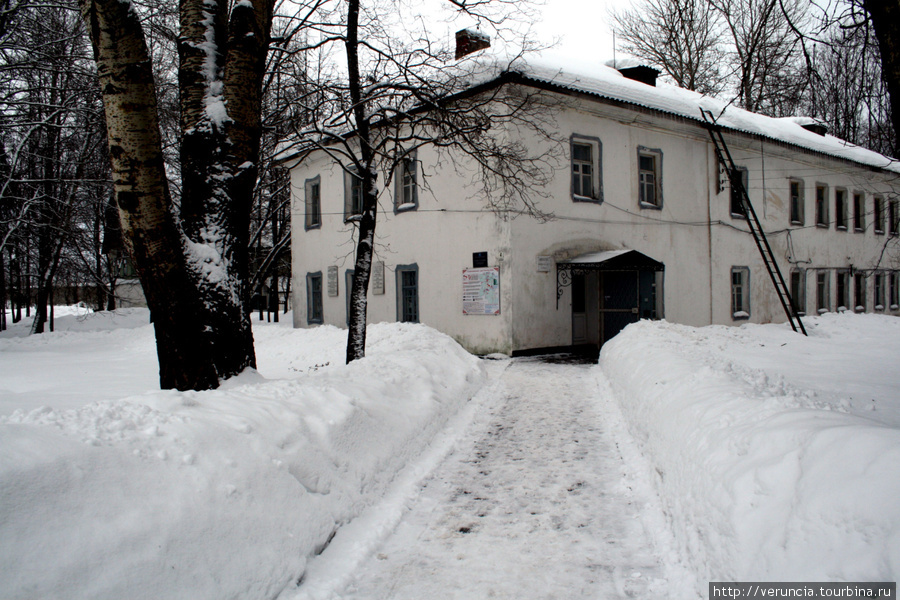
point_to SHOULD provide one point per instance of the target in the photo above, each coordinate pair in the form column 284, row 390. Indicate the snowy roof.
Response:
column 592, row 78
column 606, row 82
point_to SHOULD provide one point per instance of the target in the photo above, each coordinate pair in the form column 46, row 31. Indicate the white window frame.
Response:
column 796, row 203
column 745, row 180
column 860, row 283
column 656, row 183
column 352, row 204
column 823, row 291
column 595, row 164
column 398, row 274
column 878, row 213
column 406, row 183
column 859, row 211
column 821, row 203
column 878, row 289
column 798, row 291
column 740, row 293
column 313, row 203
column 840, row 209
column 314, row 297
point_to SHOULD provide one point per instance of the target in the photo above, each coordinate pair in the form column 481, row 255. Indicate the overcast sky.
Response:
column 583, row 27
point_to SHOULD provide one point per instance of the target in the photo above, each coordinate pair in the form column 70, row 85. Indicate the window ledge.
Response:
column 577, row 198
column 800, row 223
column 405, row 207
column 822, row 311
column 858, row 230
column 895, row 306
column 740, row 315
column 841, row 228
column 822, row 225
column 650, row 206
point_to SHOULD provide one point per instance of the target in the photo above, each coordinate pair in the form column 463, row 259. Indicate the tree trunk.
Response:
column 365, row 246
column 142, row 194
column 885, row 17
column 222, row 65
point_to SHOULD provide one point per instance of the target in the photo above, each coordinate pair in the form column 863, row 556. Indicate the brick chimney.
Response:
column 468, row 41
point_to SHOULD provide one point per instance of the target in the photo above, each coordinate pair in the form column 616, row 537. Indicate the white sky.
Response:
column 582, row 26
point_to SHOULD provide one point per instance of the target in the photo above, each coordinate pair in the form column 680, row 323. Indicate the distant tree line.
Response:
column 834, row 61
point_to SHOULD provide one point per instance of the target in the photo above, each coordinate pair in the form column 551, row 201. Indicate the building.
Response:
column 646, row 225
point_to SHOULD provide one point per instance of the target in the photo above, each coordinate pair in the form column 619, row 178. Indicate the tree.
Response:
column 885, row 19
column 683, row 37
column 399, row 92
column 52, row 157
column 193, row 269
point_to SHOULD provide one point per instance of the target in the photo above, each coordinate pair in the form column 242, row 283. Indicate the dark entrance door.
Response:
column 625, row 297
column 619, row 302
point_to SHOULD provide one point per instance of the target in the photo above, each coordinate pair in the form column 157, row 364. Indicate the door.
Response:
column 619, row 302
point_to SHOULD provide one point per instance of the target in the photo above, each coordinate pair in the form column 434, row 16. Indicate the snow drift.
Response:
column 777, row 457
column 219, row 494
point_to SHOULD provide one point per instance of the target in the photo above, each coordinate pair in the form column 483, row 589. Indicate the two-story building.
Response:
column 645, row 225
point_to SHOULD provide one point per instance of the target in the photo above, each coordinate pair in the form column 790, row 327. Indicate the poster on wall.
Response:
column 481, row 291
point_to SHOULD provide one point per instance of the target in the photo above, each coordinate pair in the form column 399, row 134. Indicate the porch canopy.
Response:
column 608, row 260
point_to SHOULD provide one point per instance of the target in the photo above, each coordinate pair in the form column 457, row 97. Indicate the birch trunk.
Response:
column 365, row 246
column 142, row 194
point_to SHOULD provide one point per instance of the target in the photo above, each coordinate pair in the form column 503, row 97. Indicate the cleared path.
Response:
column 536, row 501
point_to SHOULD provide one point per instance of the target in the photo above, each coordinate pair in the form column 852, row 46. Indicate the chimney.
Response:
column 816, row 127
column 468, row 41
column 641, row 73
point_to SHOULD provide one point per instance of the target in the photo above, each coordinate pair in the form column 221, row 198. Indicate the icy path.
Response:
column 536, row 500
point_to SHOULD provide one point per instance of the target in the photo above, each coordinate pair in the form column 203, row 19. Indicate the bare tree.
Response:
column 682, row 37
column 399, row 90
column 52, row 155
column 768, row 68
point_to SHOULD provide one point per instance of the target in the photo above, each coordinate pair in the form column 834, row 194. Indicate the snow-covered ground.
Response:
column 686, row 455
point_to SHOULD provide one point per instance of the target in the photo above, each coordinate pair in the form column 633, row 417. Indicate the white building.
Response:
column 645, row 226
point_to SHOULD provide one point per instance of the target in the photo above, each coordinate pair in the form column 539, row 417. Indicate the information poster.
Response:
column 481, row 291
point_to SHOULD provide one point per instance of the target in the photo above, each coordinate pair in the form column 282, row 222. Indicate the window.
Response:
column 740, row 293
column 314, row 298
column 859, row 292
column 879, row 291
column 823, row 280
column 406, row 184
column 737, row 195
column 878, row 212
column 407, row 293
column 798, row 291
column 313, row 193
column 859, row 211
column 840, row 209
column 649, row 177
column 892, row 217
column 822, row 205
column 353, row 200
column 796, row 201
column 894, row 290
column 843, row 290
column 586, row 174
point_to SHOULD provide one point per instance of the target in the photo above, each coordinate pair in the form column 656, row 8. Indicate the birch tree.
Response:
column 193, row 267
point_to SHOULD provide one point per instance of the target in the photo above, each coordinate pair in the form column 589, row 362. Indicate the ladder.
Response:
column 756, row 230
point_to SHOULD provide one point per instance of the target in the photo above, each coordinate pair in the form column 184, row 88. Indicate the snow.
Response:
column 686, row 455
column 776, row 456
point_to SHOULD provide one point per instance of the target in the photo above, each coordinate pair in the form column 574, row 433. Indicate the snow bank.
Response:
column 220, row 494
column 777, row 457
